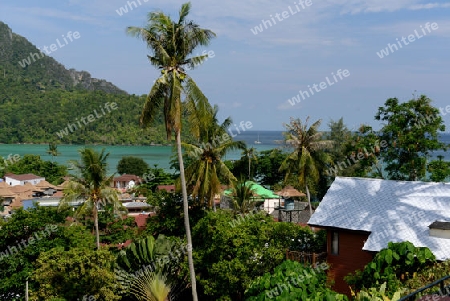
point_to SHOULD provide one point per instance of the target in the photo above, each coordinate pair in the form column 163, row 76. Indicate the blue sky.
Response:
column 252, row 76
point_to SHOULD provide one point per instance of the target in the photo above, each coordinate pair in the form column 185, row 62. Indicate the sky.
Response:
column 270, row 60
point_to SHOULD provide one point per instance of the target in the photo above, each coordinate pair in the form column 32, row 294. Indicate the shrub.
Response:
column 293, row 281
column 373, row 294
column 298, row 238
column 230, row 253
column 427, row 275
column 393, row 265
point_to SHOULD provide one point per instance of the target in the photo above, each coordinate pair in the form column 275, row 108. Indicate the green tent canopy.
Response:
column 258, row 191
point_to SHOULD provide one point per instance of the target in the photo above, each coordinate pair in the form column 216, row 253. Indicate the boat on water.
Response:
column 257, row 141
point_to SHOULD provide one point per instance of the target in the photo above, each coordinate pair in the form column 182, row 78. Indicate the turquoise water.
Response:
column 160, row 155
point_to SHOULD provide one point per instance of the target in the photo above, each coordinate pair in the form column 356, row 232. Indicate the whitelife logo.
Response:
column 49, row 229
column 90, row 118
column 319, row 87
column 280, row 17
column 53, row 47
column 124, row 9
column 391, row 48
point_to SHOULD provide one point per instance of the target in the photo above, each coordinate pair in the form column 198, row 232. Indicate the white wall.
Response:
column 14, row 182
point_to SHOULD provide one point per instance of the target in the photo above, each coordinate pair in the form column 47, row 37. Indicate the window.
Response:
column 335, row 243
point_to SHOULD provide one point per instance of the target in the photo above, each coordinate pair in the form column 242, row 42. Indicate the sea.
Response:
column 152, row 154
column 159, row 155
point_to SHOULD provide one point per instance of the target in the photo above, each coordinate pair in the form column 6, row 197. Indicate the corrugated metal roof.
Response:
column 390, row 210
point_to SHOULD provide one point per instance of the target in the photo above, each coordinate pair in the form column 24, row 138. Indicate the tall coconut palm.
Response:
column 308, row 157
column 172, row 44
column 91, row 185
column 251, row 155
column 206, row 171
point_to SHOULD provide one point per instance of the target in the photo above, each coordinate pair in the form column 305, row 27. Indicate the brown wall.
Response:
column 351, row 257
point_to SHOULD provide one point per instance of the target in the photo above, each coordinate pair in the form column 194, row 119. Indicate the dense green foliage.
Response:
column 40, row 100
column 427, row 275
column 169, row 218
column 439, row 169
column 411, row 128
column 293, row 281
column 230, row 255
column 52, row 172
column 264, row 167
column 405, row 143
column 393, row 265
column 114, row 229
column 75, row 273
column 45, row 225
column 132, row 166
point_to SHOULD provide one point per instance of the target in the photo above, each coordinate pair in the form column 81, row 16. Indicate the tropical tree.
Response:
column 172, row 44
column 132, row 165
column 150, row 269
column 340, row 134
column 70, row 274
column 91, row 185
column 206, row 171
column 52, row 150
column 242, row 197
column 267, row 171
column 411, row 131
column 439, row 169
column 252, row 155
column 308, row 158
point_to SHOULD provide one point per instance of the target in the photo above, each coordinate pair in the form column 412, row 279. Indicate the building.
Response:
column 362, row 215
column 14, row 180
column 125, row 181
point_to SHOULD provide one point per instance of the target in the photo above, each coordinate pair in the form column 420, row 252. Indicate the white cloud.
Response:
column 429, row 6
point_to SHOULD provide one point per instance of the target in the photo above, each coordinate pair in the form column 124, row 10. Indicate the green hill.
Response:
column 42, row 99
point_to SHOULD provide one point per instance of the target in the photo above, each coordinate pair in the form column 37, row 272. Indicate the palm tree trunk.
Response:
column 309, row 200
column 186, row 218
column 97, row 235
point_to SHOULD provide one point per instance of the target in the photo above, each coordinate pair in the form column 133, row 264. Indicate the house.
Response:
column 14, row 180
column 136, row 208
column 125, row 181
column 168, row 188
column 362, row 215
column 6, row 198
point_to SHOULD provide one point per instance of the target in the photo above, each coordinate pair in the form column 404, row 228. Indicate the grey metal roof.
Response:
column 136, row 205
column 389, row 210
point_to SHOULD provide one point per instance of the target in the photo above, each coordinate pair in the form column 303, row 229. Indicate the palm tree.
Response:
column 156, row 278
column 251, row 155
column 172, row 44
column 151, row 287
column 206, row 170
column 92, row 185
column 52, row 150
column 308, row 157
column 242, row 197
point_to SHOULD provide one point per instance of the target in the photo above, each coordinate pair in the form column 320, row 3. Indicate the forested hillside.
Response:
column 42, row 99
